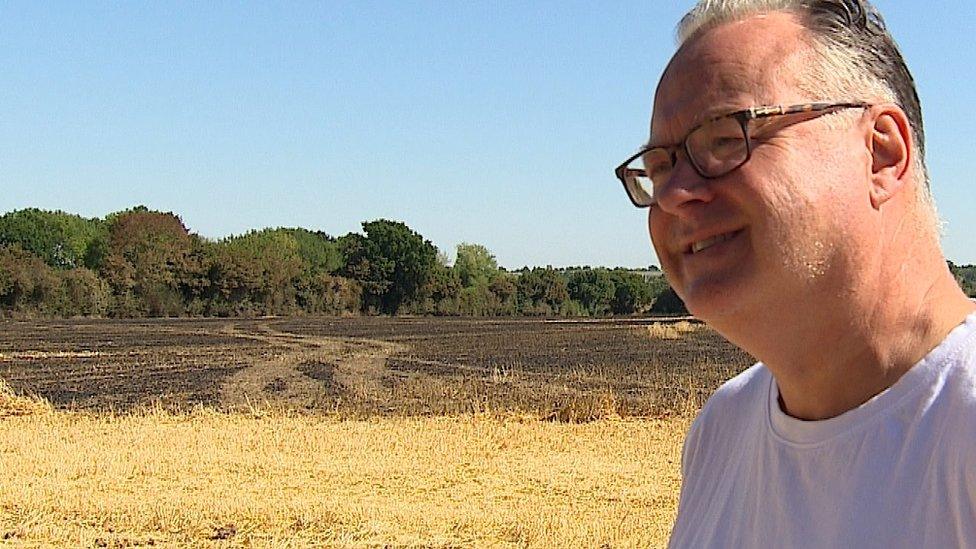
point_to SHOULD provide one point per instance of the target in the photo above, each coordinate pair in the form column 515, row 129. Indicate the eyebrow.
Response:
column 709, row 114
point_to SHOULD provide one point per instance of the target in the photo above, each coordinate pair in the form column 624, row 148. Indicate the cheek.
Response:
column 660, row 229
column 788, row 185
column 807, row 210
column 656, row 227
column 813, row 192
column 650, row 225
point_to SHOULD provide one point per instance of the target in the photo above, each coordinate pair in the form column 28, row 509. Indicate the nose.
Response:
column 684, row 189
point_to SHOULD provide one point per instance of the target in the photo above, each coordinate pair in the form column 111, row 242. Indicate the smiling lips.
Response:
column 711, row 241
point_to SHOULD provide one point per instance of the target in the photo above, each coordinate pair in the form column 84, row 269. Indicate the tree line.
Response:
column 140, row 262
column 965, row 276
column 145, row 263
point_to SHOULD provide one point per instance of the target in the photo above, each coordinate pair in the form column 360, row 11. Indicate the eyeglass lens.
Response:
column 718, row 147
column 715, row 149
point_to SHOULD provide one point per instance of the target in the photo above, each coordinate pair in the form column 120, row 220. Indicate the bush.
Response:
column 329, row 295
column 85, row 294
column 27, row 284
column 572, row 308
column 668, row 303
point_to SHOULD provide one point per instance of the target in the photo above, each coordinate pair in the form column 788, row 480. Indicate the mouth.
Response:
column 702, row 245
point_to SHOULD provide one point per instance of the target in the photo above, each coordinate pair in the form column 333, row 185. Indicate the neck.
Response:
column 844, row 350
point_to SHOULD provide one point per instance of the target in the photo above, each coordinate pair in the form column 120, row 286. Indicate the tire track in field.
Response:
column 358, row 367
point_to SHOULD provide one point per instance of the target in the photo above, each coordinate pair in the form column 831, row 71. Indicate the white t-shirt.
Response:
column 898, row 471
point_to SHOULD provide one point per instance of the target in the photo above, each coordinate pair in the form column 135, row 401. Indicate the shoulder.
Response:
column 955, row 395
column 946, row 418
column 734, row 410
column 752, row 382
column 743, row 394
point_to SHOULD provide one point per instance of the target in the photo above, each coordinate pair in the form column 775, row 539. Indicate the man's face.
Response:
column 778, row 226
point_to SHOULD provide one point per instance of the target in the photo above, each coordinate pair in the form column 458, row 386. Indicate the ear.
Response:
column 890, row 146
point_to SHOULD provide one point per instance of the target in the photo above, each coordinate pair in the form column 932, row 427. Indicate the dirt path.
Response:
column 311, row 372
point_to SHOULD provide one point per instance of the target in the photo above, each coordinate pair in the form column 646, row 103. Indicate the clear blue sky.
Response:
column 494, row 122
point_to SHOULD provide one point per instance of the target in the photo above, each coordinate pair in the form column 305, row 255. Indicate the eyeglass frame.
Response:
column 743, row 117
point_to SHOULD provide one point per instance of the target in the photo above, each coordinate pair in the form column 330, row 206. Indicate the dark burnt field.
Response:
column 564, row 370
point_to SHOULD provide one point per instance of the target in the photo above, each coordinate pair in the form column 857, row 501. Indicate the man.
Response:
column 790, row 210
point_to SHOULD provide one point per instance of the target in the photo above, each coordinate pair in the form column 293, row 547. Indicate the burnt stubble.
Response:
column 566, row 370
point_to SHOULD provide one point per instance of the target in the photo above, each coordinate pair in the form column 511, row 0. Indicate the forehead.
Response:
column 733, row 66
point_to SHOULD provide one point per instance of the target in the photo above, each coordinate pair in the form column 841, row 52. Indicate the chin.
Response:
column 712, row 309
column 713, row 300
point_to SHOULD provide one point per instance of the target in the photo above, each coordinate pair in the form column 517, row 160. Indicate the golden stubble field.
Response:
column 353, row 434
column 278, row 480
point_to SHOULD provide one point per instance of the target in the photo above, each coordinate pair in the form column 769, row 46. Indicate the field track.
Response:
column 358, row 364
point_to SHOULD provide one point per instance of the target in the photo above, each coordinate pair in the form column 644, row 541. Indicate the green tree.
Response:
column 503, row 292
column 668, row 303
column 272, row 255
column 322, row 293
column 475, row 301
column 6, row 276
column 230, row 282
column 319, row 252
column 146, row 256
column 365, row 264
column 440, row 294
column 85, row 294
column 392, row 262
column 475, row 265
column 541, row 291
column 60, row 239
column 27, row 284
column 966, row 276
column 633, row 292
column 594, row 289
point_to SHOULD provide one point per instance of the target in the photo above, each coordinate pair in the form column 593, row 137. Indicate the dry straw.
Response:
column 672, row 330
column 209, row 479
column 12, row 404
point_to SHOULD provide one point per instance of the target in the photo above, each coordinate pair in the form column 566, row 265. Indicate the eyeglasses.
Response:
column 714, row 148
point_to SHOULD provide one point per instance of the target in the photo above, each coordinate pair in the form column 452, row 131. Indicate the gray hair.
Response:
column 857, row 55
